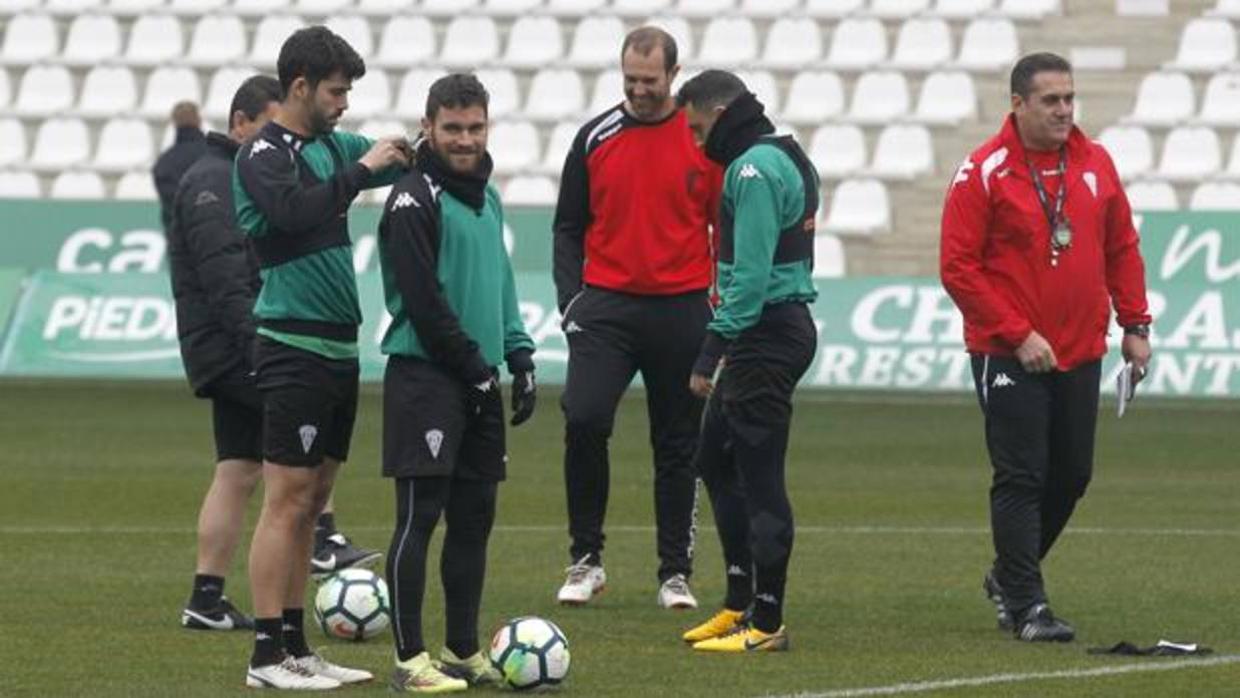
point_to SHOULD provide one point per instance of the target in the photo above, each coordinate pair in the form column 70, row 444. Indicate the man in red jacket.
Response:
column 632, row 269
column 1037, row 242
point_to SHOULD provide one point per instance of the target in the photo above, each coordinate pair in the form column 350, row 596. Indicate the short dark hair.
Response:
column 643, row 40
column 709, row 89
column 185, row 115
column 253, row 97
column 456, row 91
column 316, row 53
column 1029, row 66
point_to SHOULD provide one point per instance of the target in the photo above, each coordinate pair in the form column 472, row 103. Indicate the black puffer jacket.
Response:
column 213, row 268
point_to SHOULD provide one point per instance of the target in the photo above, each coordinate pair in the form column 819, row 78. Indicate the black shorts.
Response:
column 236, row 415
column 428, row 429
column 309, row 404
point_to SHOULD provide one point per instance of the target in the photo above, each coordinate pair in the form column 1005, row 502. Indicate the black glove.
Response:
column 482, row 393
column 524, row 389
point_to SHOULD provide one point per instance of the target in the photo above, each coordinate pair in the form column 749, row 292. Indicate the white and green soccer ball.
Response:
column 353, row 604
column 531, row 653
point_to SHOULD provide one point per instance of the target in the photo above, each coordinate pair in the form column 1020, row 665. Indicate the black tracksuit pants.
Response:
column 611, row 336
column 741, row 457
column 1040, row 434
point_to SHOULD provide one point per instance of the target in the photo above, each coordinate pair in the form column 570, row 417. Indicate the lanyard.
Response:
column 1053, row 217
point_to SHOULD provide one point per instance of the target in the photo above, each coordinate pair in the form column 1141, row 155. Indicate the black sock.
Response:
column 324, row 527
column 268, row 642
column 207, row 592
column 294, row 632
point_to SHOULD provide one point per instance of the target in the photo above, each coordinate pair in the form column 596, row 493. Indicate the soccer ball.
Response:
column 353, row 605
column 531, row 653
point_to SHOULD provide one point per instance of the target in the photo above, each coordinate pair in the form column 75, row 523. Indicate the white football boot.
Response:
column 583, row 582
column 315, row 664
column 675, row 593
column 288, row 676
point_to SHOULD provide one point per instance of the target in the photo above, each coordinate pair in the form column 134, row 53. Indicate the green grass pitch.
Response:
column 100, row 485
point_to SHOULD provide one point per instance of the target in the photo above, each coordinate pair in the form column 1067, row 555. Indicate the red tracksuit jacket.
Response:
column 995, row 251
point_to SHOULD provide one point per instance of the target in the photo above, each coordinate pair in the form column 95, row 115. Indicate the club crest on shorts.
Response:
column 307, row 432
column 434, row 439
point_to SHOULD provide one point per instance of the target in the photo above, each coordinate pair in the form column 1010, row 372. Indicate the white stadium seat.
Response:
column 554, row 94
column 608, row 91
column 19, row 185
column 447, row 8
column 196, row 8
column 1190, row 153
column 124, row 144
column 1163, row 99
column 91, row 39
column 165, row 87
column 989, row 45
column 946, row 98
column 220, row 91
column 857, row 44
column 595, row 42
column 1130, row 148
column 154, row 40
column 859, row 207
column 1215, row 196
column 814, row 97
column 75, row 184
column 1151, row 195
column 903, row 152
column 44, row 90
column 411, row 98
column 322, row 7
column 838, row 151
column 728, row 41
column 792, row 42
column 923, row 44
column 60, row 143
column 828, row 257
column 535, row 190
column 469, row 42
column 509, row 8
column 704, row 8
column 260, row 8
column 12, row 142
column 513, row 146
column 898, row 9
column 217, row 39
column 71, row 7
column 1233, row 162
column 406, row 41
column 269, row 36
column 385, row 8
column 355, row 29
column 1226, row 8
column 1206, row 44
column 375, row 129
column 960, row 9
column 505, row 93
column 6, row 89
column 534, row 42
column 108, row 91
column 29, row 38
column 136, row 185
column 558, row 145
column 371, row 95
column 769, row 8
column 680, row 30
column 17, row 6
column 879, row 97
column 639, row 8
column 1029, row 9
column 832, row 8
column 762, row 83
column 1220, row 106
column 575, row 8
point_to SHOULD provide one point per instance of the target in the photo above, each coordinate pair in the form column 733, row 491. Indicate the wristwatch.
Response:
column 1138, row 330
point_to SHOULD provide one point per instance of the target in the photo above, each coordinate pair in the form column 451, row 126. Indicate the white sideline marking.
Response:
column 970, row 682
column 839, row 530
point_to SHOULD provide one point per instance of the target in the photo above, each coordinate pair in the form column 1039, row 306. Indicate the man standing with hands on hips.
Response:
column 1037, row 243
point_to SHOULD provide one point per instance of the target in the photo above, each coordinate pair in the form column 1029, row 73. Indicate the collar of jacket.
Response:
column 1077, row 145
column 188, row 133
column 222, row 143
column 469, row 188
column 740, row 125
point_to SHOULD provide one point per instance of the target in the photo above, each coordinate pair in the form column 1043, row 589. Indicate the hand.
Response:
column 524, row 397
column 700, row 385
column 1136, row 350
column 386, row 152
column 479, row 394
column 1035, row 354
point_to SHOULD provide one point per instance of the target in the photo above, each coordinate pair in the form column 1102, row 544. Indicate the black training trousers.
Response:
column 1040, row 434
column 741, row 457
column 611, row 336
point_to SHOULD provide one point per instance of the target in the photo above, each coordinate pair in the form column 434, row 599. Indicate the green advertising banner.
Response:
column 874, row 333
column 125, row 236
column 1191, row 247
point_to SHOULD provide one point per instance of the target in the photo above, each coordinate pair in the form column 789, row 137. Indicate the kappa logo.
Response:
column 260, row 145
column 405, row 200
column 736, row 571
column 206, row 197
column 749, row 171
column 307, row 432
column 767, row 598
column 1002, row 380
column 1091, row 181
column 572, row 327
column 434, row 440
